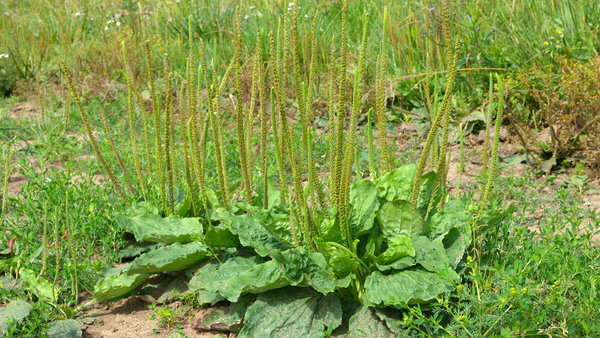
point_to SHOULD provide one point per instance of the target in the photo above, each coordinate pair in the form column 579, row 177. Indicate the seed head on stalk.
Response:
column 88, row 130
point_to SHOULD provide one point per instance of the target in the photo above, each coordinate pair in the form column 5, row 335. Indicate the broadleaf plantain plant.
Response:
column 334, row 266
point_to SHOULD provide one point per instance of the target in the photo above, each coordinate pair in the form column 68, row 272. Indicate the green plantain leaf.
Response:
column 329, row 228
column 400, row 218
column 145, row 207
column 454, row 243
column 453, row 215
column 393, row 320
column 397, row 184
column 138, row 248
column 363, row 323
column 399, row 247
column 69, row 328
column 206, row 298
column 221, row 237
column 116, row 286
column 227, row 318
column 183, row 202
column 292, row 312
column 272, row 193
column 16, row 310
column 279, row 228
column 364, row 202
column 402, row 288
column 170, row 258
column 305, row 268
column 40, row 287
column 169, row 230
column 338, row 259
column 251, row 233
column 430, row 255
column 239, row 275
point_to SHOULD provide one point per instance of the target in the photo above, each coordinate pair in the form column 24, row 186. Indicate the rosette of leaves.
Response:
column 397, row 258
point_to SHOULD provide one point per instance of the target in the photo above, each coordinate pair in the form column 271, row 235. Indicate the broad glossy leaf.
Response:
column 364, row 203
column 137, row 248
column 183, row 202
column 454, row 243
column 206, row 298
column 40, row 287
column 399, row 247
column 227, row 318
column 213, row 200
column 69, row 328
column 239, row 275
column 402, row 288
column 170, row 258
column 251, row 233
column 397, row 184
column 339, row 260
column 291, row 313
column 145, row 207
column 430, row 255
column 220, row 237
column 400, row 218
column 116, row 286
column 392, row 319
column 17, row 310
column 109, row 270
column 279, row 228
column 309, row 269
column 453, row 215
column 329, row 228
column 169, row 230
column 272, row 193
column 361, row 322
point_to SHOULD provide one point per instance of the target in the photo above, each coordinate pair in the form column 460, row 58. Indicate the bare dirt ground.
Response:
column 130, row 318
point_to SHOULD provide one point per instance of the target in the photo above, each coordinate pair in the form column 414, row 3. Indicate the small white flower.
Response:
column 306, row 16
column 290, row 4
column 587, row 204
column 259, row 14
column 118, row 23
column 7, row 13
column 77, row 14
column 246, row 17
column 105, row 28
column 321, row 29
column 251, row 7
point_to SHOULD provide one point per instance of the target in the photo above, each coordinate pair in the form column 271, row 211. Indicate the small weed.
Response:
column 165, row 315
